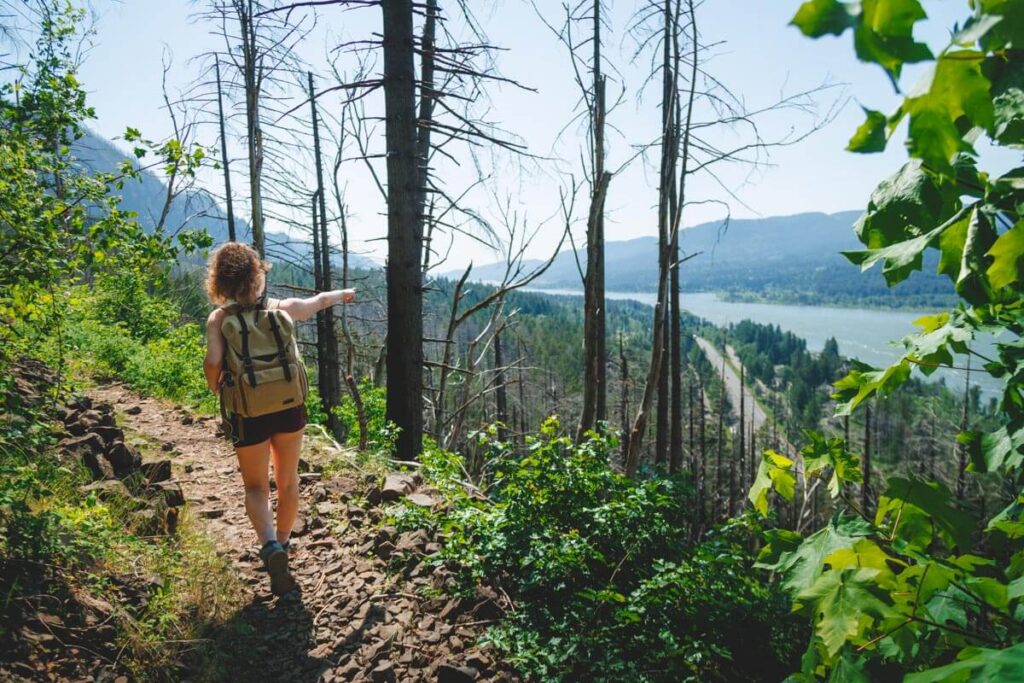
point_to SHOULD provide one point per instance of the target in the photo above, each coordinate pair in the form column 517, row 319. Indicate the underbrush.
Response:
column 604, row 578
column 73, row 566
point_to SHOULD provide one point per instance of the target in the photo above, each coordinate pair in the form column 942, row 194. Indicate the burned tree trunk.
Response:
column 594, row 409
column 331, row 383
column 702, row 488
column 661, row 423
column 743, row 424
column 254, row 133
column 229, row 202
column 719, row 470
column 405, row 232
column 500, row 397
column 624, row 396
column 322, row 373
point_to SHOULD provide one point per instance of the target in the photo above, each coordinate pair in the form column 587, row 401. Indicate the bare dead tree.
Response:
column 331, row 387
column 449, row 77
column 689, row 148
column 225, row 160
column 516, row 276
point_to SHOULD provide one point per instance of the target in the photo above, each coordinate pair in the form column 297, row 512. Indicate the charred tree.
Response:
column 330, row 385
column 251, row 67
column 500, row 397
column 594, row 409
column 229, row 202
column 405, row 232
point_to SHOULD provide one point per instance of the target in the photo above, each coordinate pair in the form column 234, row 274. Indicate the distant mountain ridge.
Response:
column 194, row 209
column 787, row 258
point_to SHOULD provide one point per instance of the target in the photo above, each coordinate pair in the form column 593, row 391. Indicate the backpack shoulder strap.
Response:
column 246, row 356
column 282, row 356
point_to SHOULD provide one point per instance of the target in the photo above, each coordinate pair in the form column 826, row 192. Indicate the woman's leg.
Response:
column 285, row 449
column 253, row 462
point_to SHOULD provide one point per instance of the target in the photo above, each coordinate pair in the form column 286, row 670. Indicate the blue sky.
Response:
column 756, row 53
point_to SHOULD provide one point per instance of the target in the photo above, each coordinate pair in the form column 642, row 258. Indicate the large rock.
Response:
column 396, row 485
column 99, row 466
column 451, row 673
column 487, row 607
column 109, row 434
column 80, row 403
column 422, row 500
column 411, row 541
column 78, row 446
column 171, row 493
column 156, row 471
column 107, row 490
column 384, row 672
column 123, row 458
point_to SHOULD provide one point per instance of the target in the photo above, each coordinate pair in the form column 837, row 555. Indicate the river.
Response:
column 865, row 334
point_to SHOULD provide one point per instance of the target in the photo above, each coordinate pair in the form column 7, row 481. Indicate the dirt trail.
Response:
column 362, row 612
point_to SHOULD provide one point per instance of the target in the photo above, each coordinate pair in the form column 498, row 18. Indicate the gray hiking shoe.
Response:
column 275, row 559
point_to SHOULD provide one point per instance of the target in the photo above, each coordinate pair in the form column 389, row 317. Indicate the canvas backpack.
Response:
column 263, row 372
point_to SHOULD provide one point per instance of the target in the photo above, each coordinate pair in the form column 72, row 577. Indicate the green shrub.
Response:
column 123, row 299
column 606, row 584
column 168, row 364
column 381, row 433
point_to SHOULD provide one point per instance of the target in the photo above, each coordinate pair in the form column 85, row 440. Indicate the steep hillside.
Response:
column 786, row 258
column 195, row 209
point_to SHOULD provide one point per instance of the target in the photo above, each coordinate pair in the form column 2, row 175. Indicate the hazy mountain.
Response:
column 196, row 209
column 794, row 258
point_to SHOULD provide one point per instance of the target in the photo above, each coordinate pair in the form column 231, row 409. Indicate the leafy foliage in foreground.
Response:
column 925, row 586
column 606, row 583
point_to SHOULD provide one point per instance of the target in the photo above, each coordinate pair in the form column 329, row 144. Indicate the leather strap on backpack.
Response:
column 246, row 356
column 281, row 355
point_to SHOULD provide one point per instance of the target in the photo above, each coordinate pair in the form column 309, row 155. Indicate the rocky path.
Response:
column 369, row 608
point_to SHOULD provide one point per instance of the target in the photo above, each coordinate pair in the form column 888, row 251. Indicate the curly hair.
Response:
column 235, row 271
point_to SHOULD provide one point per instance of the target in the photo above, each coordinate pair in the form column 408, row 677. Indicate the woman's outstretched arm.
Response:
column 303, row 309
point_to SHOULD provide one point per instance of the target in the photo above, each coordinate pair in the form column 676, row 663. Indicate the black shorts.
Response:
column 249, row 431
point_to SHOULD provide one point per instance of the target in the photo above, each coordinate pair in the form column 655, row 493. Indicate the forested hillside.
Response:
column 786, row 259
column 492, row 483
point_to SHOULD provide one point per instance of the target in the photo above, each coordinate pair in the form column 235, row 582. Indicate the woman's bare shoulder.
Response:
column 215, row 318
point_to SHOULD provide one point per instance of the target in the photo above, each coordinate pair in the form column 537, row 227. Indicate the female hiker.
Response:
column 252, row 362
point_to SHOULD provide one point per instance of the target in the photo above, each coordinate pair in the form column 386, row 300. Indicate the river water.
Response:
column 865, row 334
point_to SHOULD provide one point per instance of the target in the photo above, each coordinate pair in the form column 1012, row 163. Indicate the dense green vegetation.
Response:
column 895, row 555
column 608, row 580
column 60, row 226
column 923, row 583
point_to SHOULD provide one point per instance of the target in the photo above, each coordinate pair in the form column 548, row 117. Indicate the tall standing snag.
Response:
column 405, row 232
column 595, row 408
column 224, row 155
column 330, row 385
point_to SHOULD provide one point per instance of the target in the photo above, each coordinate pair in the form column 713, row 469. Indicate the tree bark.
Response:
column 719, row 470
column 594, row 409
column 322, row 373
column 405, row 232
column 254, row 133
column 743, row 425
column 702, row 484
column 332, row 385
column 624, row 397
column 228, row 201
column 500, row 397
